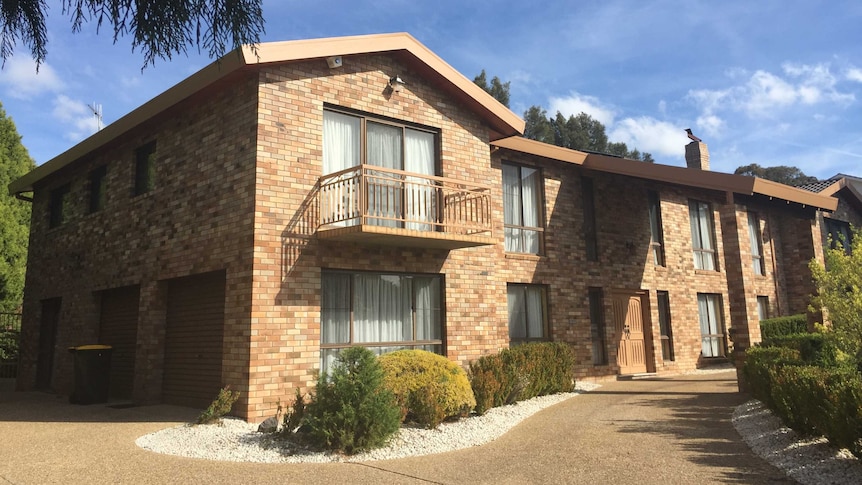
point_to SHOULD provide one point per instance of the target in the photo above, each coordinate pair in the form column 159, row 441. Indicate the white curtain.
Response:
column 512, row 208
column 530, row 199
column 535, row 318
column 421, row 195
column 707, row 306
column 381, row 308
column 701, row 235
column 517, row 318
column 427, row 308
column 341, row 136
column 335, row 309
column 384, row 191
column 754, row 236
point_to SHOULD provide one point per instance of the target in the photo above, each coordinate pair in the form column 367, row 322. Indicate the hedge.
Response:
column 776, row 327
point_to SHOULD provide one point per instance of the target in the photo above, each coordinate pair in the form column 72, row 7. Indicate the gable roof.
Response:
column 704, row 179
column 502, row 122
column 839, row 184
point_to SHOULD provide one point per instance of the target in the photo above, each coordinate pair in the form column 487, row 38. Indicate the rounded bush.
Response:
column 429, row 387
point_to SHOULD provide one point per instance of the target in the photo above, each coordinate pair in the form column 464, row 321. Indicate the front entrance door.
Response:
column 629, row 332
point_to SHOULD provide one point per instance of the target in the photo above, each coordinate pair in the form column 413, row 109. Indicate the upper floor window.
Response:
column 58, row 209
column 591, row 238
column 145, row 168
column 756, row 244
column 655, row 229
column 702, row 235
column 98, row 186
column 839, row 232
column 528, row 319
column 402, row 191
column 522, row 208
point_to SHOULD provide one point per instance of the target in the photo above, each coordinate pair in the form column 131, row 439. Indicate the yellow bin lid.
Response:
column 91, row 347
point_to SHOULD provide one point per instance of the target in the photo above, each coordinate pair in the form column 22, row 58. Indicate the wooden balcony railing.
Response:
column 378, row 196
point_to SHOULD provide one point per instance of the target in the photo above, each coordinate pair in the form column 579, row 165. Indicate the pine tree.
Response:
column 14, row 216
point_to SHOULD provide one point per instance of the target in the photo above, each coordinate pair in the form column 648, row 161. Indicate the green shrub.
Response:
column 295, row 414
column 776, row 327
column 522, row 372
column 759, row 361
column 352, row 410
column 9, row 344
column 429, row 388
column 219, row 408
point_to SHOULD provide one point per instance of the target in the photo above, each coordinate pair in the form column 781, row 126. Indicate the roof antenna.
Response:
column 97, row 112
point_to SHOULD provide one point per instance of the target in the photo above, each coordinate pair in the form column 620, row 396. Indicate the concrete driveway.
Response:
column 668, row 431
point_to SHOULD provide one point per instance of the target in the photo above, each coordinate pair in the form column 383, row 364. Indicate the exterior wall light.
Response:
column 396, row 83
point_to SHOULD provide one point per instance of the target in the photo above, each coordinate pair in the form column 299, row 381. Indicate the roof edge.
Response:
column 533, row 147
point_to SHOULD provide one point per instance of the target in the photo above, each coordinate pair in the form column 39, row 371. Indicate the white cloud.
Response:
column 648, row 134
column 854, row 74
column 576, row 103
column 76, row 117
column 710, row 124
column 21, row 80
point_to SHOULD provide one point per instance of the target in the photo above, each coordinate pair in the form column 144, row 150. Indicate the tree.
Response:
column 839, row 291
column 160, row 28
column 581, row 132
column 14, row 216
column 498, row 89
column 782, row 174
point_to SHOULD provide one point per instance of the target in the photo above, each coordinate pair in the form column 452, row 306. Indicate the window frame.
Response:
column 59, row 205
column 762, row 307
column 97, row 184
column 699, row 253
column 545, row 327
column 720, row 334
column 836, row 228
column 598, row 329
column 540, row 210
column 145, row 169
column 656, row 228
column 590, row 227
column 756, row 240
column 665, row 325
column 376, row 346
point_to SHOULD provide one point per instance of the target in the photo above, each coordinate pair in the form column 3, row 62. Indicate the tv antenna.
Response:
column 97, row 112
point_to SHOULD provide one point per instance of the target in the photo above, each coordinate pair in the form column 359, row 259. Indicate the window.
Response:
column 838, row 232
column 655, row 229
column 58, row 209
column 381, row 311
column 522, row 208
column 711, row 325
column 527, row 313
column 762, row 307
column 98, row 183
column 393, row 199
column 145, row 168
column 590, row 235
column 702, row 237
column 597, row 326
column 665, row 326
column 756, row 244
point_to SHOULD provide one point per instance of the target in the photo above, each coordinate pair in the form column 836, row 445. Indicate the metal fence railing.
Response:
column 10, row 332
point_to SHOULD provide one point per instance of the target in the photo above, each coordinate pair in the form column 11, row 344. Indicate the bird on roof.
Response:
column 691, row 135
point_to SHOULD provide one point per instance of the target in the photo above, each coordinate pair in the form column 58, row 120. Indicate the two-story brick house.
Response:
column 277, row 206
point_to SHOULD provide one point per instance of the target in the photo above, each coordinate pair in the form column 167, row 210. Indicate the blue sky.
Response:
column 766, row 82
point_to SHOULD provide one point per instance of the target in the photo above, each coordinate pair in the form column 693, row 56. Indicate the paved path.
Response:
column 663, row 431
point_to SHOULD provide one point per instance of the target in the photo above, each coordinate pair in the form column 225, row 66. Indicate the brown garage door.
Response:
column 193, row 340
column 118, row 327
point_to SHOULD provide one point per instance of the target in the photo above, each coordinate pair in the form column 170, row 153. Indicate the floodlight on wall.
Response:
column 333, row 62
column 396, row 83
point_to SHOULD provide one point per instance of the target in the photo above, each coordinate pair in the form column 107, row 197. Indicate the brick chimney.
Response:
column 697, row 155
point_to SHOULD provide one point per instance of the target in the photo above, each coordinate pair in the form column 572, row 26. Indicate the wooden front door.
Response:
column 629, row 332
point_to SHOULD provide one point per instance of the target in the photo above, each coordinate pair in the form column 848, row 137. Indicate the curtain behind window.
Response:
column 341, row 136
column 754, row 236
column 530, row 185
column 512, row 208
column 708, row 311
column 384, row 191
column 428, row 309
column 701, row 235
column 421, row 194
column 381, row 308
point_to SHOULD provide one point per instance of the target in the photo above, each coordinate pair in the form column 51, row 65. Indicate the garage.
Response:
column 194, row 339
column 118, row 327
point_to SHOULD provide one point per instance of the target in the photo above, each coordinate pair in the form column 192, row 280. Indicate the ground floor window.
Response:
column 665, row 326
column 380, row 311
column 711, row 325
column 762, row 307
column 528, row 319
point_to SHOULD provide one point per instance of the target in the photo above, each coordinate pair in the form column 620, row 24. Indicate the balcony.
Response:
column 377, row 205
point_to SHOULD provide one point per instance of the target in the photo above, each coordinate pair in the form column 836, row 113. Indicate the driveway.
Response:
column 663, row 430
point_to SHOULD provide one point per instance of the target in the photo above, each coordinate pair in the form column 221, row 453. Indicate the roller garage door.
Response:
column 193, row 340
column 118, row 327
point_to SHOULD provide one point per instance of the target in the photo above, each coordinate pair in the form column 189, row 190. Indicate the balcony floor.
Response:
column 396, row 236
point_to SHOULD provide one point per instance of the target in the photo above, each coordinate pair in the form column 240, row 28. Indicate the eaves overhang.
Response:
column 501, row 121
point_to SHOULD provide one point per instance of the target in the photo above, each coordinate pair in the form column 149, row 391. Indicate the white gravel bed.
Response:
column 810, row 461
column 236, row 440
